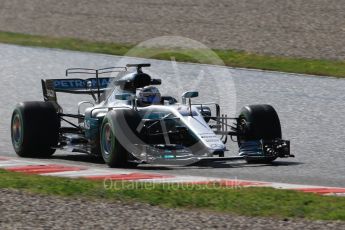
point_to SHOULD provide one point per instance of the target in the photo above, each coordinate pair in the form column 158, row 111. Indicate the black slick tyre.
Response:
column 116, row 125
column 259, row 122
column 35, row 129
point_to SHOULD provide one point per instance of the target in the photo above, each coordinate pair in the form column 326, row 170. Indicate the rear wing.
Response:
column 77, row 85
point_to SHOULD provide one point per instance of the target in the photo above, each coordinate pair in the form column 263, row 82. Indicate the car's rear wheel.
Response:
column 258, row 122
column 34, row 129
column 112, row 131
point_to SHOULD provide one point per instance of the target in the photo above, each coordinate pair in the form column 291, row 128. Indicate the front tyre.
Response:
column 35, row 129
column 113, row 152
column 259, row 122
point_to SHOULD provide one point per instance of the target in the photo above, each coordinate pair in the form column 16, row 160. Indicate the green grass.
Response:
column 242, row 201
column 229, row 57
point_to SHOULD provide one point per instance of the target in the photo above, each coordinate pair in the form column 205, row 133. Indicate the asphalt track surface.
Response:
column 311, row 110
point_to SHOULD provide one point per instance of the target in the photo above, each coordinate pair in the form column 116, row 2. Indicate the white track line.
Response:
column 86, row 173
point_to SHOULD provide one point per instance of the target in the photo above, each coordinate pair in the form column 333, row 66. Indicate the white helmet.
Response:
column 149, row 95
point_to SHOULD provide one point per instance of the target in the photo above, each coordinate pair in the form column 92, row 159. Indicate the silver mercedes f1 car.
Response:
column 129, row 122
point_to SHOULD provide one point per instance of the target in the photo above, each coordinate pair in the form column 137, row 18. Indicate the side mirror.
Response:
column 189, row 94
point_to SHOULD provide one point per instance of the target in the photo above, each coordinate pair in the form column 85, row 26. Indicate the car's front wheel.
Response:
column 112, row 131
column 259, row 122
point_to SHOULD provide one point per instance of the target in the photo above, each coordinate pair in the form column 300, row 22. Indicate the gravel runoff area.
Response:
column 311, row 29
column 21, row 210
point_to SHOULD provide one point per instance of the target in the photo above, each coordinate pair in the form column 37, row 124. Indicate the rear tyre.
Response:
column 35, row 129
column 112, row 131
column 259, row 122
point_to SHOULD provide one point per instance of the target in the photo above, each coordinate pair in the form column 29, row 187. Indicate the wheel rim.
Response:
column 242, row 128
column 17, row 131
column 107, row 139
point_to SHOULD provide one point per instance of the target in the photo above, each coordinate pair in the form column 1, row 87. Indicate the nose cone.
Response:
column 217, row 149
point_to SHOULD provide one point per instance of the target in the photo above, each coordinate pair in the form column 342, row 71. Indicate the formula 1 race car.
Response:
column 130, row 122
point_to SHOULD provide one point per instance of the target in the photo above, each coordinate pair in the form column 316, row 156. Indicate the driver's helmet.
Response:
column 149, row 95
